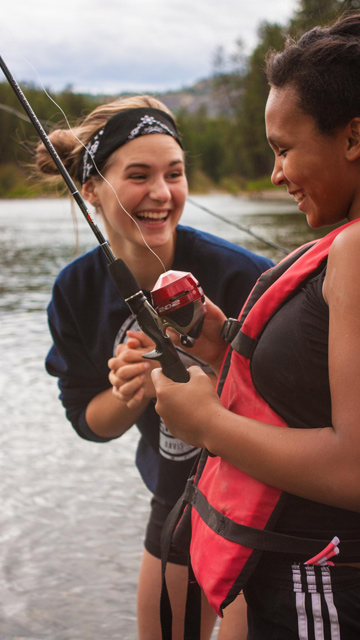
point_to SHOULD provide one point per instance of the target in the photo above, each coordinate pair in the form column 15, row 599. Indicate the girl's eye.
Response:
column 283, row 152
column 175, row 174
column 137, row 176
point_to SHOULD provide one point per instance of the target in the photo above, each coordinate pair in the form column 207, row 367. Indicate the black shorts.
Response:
column 304, row 603
column 158, row 515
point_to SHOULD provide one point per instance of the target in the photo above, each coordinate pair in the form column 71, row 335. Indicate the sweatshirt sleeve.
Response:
column 69, row 361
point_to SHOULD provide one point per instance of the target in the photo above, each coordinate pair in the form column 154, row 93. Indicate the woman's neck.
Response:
column 146, row 265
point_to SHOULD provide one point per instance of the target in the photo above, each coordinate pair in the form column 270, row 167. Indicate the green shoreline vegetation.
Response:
column 15, row 182
column 222, row 124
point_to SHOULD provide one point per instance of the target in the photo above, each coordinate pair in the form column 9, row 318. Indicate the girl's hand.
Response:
column 130, row 373
column 187, row 408
column 209, row 347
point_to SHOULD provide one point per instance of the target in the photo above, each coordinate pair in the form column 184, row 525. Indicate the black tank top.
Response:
column 290, row 371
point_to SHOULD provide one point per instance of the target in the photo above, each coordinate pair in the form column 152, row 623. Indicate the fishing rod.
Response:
column 153, row 323
column 237, row 225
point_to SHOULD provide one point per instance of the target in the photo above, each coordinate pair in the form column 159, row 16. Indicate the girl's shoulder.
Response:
column 210, row 247
column 91, row 264
column 346, row 245
column 343, row 267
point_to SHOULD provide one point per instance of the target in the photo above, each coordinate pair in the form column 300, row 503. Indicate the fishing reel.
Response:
column 180, row 302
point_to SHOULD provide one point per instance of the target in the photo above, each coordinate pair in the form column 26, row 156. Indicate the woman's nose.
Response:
column 277, row 176
column 159, row 190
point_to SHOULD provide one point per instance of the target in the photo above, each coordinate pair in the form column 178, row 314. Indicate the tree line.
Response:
column 227, row 151
column 232, row 149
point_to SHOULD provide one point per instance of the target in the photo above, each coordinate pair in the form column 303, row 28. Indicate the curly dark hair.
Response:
column 324, row 68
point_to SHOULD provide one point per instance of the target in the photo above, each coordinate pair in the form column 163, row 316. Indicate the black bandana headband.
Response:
column 121, row 128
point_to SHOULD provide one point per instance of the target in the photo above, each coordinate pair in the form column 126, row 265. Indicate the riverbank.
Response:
column 271, row 194
column 17, row 183
column 276, row 193
column 29, row 192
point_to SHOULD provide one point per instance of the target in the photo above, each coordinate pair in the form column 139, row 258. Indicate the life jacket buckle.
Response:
column 230, row 329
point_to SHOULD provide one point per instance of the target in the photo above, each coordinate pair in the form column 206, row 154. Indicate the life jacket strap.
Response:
column 262, row 539
column 230, row 329
column 176, row 521
column 240, row 342
column 244, row 345
column 166, row 536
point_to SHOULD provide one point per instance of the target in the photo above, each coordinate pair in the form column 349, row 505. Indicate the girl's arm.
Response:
column 114, row 411
column 317, row 464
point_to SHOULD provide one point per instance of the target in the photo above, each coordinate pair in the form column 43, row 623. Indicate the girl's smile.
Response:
column 310, row 163
column 147, row 178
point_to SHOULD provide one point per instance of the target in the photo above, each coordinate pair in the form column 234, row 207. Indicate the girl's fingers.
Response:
column 127, row 356
column 134, row 401
column 129, row 389
column 137, row 398
column 127, row 372
column 123, row 379
column 142, row 339
column 132, row 343
column 130, row 371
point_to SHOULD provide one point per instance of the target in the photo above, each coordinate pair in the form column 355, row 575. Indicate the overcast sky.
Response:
column 111, row 46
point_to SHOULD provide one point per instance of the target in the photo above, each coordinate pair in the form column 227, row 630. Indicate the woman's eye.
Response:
column 283, row 152
column 137, row 176
column 175, row 174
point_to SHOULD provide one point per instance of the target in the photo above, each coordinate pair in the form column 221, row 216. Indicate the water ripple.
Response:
column 73, row 513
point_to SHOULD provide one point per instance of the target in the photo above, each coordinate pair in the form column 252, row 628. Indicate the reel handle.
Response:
column 149, row 322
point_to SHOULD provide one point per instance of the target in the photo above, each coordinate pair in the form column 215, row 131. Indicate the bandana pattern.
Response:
column 89, row 156
column 121, row 128
column 147, row 125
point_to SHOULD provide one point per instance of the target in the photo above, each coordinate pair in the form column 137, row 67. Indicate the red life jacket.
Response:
column 233, row 514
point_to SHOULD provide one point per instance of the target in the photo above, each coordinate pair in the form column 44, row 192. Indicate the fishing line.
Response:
column 80, row 142
column 239, row 226
column 94, row 163
column 274, row 245
column 99, row 172
column 124, row 280
column 236, row 225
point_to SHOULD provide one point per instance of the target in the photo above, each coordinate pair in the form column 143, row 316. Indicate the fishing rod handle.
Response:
column 149, row 321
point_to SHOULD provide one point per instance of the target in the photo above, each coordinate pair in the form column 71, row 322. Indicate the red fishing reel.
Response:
column 180, row 302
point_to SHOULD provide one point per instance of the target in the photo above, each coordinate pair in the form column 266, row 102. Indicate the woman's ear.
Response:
column 89, row 191
column 353, row 148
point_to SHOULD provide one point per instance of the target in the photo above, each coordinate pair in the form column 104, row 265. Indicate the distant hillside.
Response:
column 200, row 95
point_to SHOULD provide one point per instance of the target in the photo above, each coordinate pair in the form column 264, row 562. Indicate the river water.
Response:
column 73, row 512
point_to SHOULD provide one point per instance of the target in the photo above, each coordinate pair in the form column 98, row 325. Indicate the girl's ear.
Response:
column 353, row 148
column 89, row 191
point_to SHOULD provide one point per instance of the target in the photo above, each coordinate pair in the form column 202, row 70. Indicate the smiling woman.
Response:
column 130, row 164
column 149, row 174
column 302, row 151
column 279, row 494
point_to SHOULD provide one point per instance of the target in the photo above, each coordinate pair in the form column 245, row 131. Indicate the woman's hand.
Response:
column 186, row 408
column 209, row 347
column 130, row 373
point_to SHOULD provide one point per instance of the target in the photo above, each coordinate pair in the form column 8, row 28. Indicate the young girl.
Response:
column 132, row 170
column 295, row 363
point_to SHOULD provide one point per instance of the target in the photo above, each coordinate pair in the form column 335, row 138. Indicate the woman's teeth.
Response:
column 152, row 215
column 299, row 196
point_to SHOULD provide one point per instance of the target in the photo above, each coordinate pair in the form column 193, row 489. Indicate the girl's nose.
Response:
column 159, row 190
column 277, row 176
